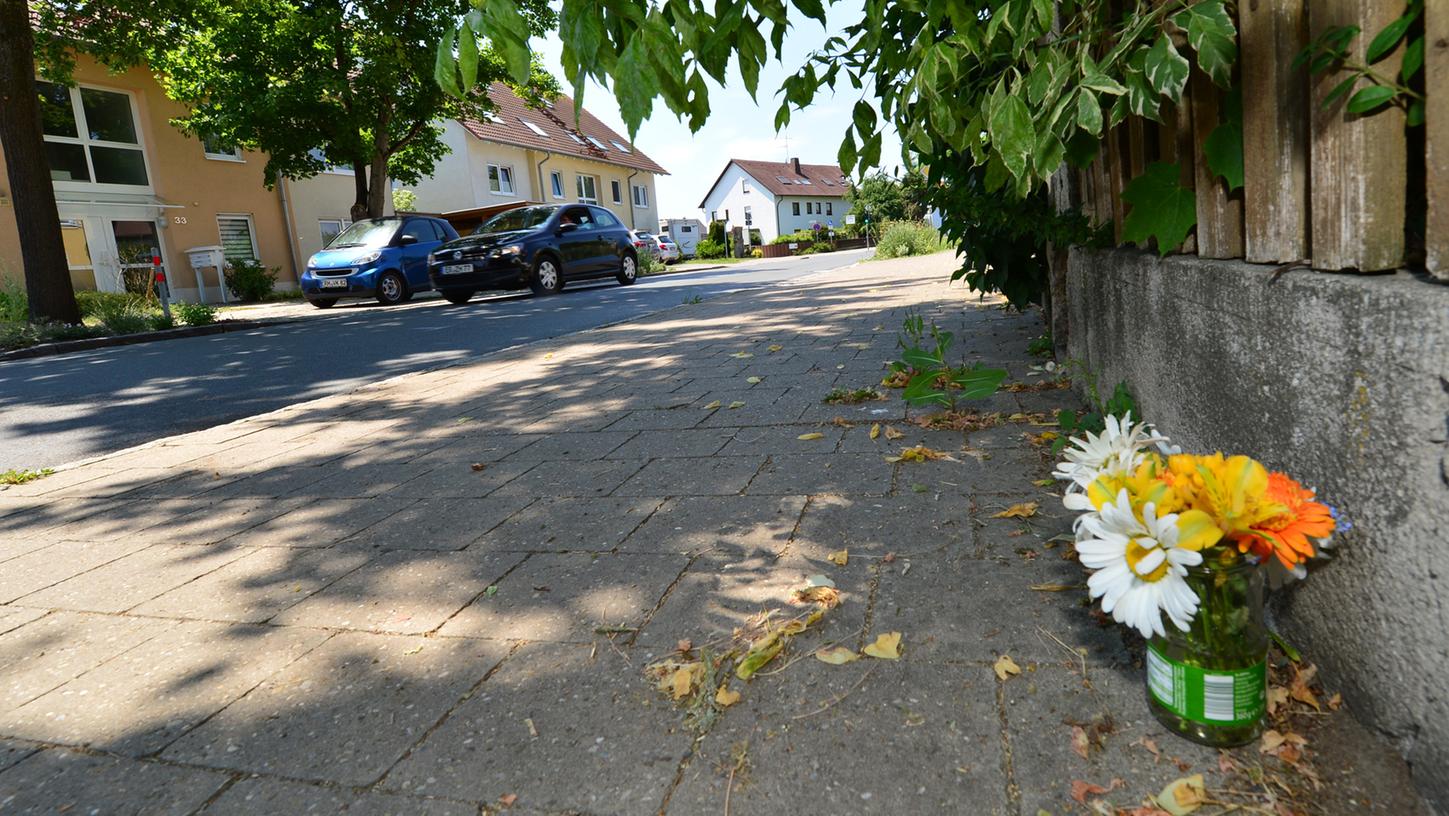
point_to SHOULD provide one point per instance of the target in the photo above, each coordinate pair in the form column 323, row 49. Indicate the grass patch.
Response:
column 855, row 396
column 20, row 477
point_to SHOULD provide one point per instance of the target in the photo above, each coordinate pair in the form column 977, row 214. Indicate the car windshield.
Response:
column 370, row 233
column 519, row 219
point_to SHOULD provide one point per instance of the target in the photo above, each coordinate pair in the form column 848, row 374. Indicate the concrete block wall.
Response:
column 1342, row 381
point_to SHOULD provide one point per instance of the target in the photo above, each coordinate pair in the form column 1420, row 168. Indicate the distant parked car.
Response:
column 539, row 248
column 657, row 245
column 383, row 258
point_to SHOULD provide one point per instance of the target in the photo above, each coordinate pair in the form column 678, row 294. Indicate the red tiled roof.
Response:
column 559, row 134
column 782, row 179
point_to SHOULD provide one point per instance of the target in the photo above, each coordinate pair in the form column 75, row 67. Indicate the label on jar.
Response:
column 1211, row 696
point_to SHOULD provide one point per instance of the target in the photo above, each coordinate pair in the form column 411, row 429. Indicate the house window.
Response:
column 745, row 187
column 238, row 240
column 617, row 191
column 794, row 208
column 686, row 228
column 215, row 148
column 830, row 208
column 621, row 148
column 641, row 195
column 749, row 217
column 588, row 189
column 91, row 136
column 713, row 215
column 597, row 143
column 555, row 180
column 500, row 179
column 537, row 131
column 330, row 228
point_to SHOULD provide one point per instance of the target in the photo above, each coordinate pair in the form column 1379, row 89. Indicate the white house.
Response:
column 776, row 198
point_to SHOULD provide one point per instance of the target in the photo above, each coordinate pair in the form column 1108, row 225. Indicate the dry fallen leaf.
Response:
column 712, row 406
column 682, row 680
column 892, row 433
column 726, row 697
column 1335, row 702
column 1052, row 587
column 507, row 799
column 753, row 380
column 736, row 404
column 1044, row 482
column 741, row 355
column 885, row 647
column 684, row 645
column 477, row 466
column 1151, row 746
column 1005, row 667
column 773, row 347
column 875, row 431
column 839, row 557
column 920, row 453
column 836, row 656
column 1023, row 510
column 1302, row 676
column 1277, row 696
column 1079, row 741
column 810, row 437
column 828, row 597
column 1182, row 796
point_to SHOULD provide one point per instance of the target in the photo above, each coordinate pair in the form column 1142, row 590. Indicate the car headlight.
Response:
column 367, row 259
column 511, row 249
column 311, row 263
column 431, row 258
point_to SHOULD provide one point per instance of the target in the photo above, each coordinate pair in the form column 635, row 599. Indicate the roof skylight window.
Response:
column 537, row 131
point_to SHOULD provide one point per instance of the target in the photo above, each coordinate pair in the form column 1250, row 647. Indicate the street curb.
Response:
column 67, row 346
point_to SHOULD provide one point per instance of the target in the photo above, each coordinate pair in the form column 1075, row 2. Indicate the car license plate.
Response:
column 457, row 269
column 334, row 283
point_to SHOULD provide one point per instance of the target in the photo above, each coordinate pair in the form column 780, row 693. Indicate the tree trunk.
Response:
column 47, row 275
column 377, row 187
column 359, row 182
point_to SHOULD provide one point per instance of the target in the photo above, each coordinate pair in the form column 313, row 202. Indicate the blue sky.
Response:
column 737, row 126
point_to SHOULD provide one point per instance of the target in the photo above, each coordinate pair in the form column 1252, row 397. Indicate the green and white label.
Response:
column 1210, row 696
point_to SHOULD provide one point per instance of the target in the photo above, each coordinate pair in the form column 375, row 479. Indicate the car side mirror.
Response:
column 406, row 240
column 563, row 228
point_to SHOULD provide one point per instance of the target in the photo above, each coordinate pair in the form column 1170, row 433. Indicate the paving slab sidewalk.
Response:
column 440, row 594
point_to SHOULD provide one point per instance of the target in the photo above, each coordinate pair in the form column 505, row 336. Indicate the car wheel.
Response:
column 546, row 279
column 458, row 296
column 324, row 303
column 391, row 289
column 628, row 270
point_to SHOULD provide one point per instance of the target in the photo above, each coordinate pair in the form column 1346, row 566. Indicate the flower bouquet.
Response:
column 1179, row 546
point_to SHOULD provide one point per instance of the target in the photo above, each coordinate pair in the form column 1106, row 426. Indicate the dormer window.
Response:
column 597, row 143
column 621, row 148
column 537, row 131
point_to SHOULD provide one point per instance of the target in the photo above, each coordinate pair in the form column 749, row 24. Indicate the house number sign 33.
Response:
column 178, row 219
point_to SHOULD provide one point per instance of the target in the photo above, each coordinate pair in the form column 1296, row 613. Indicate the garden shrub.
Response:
column 249, row 280
column 195, row 314
column 899, row 239
column 14, row 303
column 124, row 314
column 649, row 264
column 98, row 304
column 709, row 249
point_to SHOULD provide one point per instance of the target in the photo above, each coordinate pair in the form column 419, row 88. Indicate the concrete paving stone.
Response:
column 438, row 524
column 458, row 480
column 190, row 483
column 912, row 737
column 60, row 781
column 345, row 712
column 952, row 607
column 365, row 481
column 733, row 526
column 751, row 415
column 201, row 521
column 318, row 522
column 261, row 795
column 404, row 592
column 114, row 483
column 705, row 476
column 141, row 700
column 112, row 522
column 887, row 410
column 135, row 578
column 51, row 565
column 574, row 420
column 486, row 448
column 12, row 751
column 738, row 390
column 858, row 439
column 572, row 478
column 37, row 523
column 550, row 525
column 1006, row 539
column 14, row 617
column 770, row 440
column 568, row 447
column 658, row 419
column 812, row 473
column 908, row 525
column 50, row 651
column 164, row 456
column 565, row 597
column 59, row 480
column 16, row 547
column 273, row 483
column 257, row 586
column 1047, row 401
column 675, row 443
column 618, row 760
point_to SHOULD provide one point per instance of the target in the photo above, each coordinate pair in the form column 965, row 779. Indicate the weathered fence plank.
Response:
column 1359, row 163
column 1275, row 132
column 1219, row 214
column 1436, row 123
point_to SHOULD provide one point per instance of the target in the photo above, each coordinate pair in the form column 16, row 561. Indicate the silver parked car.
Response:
column 659, row 246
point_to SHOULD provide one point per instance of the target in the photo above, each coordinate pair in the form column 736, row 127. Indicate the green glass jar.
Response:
column 1209, row 684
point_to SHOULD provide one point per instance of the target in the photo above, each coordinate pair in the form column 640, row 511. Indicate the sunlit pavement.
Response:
column 439, row 593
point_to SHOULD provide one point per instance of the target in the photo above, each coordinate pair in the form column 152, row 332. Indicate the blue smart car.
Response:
column 383, row 258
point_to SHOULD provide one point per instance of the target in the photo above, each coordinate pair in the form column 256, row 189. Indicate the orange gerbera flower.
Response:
column 1288, row 534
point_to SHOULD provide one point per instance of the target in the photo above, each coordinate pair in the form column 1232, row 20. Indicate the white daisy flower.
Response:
column 1119, row 447
column 1139, row 567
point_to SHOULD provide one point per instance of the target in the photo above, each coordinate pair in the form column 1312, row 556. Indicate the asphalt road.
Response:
column 55, row 410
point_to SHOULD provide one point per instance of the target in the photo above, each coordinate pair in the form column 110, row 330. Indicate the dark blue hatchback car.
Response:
column 535, row 247
column 383, row 258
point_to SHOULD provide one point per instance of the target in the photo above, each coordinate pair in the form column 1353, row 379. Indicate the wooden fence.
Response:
column 1321, row 185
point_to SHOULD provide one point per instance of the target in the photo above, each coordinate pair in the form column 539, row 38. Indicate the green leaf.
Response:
column 1011, row 134
column 1089, row 112
column 1103, row 83
column 1339, row 90
column 1162, row 209
column 1415, row 115
column 1048, row 154
column 1166, row 69
column 1213, row 36
column 814, row 9
column 508, row 32
column 979, row 383
column 864, row 116
column 1413, row 59
column 1081, row 149
column 1384, row 42
column 1369, row 98
column 846, row 155
column 633, row 84
column 468, row 57
column 1223, row 149
column 445, row 69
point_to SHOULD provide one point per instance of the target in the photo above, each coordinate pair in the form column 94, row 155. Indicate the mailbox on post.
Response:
column 208, row 256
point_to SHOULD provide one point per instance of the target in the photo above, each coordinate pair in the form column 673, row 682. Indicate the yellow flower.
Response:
column 1143, row 485
column 1232, row 490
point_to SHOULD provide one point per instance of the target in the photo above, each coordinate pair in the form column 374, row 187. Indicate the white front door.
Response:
column 109, row 254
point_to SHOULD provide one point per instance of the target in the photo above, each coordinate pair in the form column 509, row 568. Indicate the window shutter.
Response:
column 236, row 239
